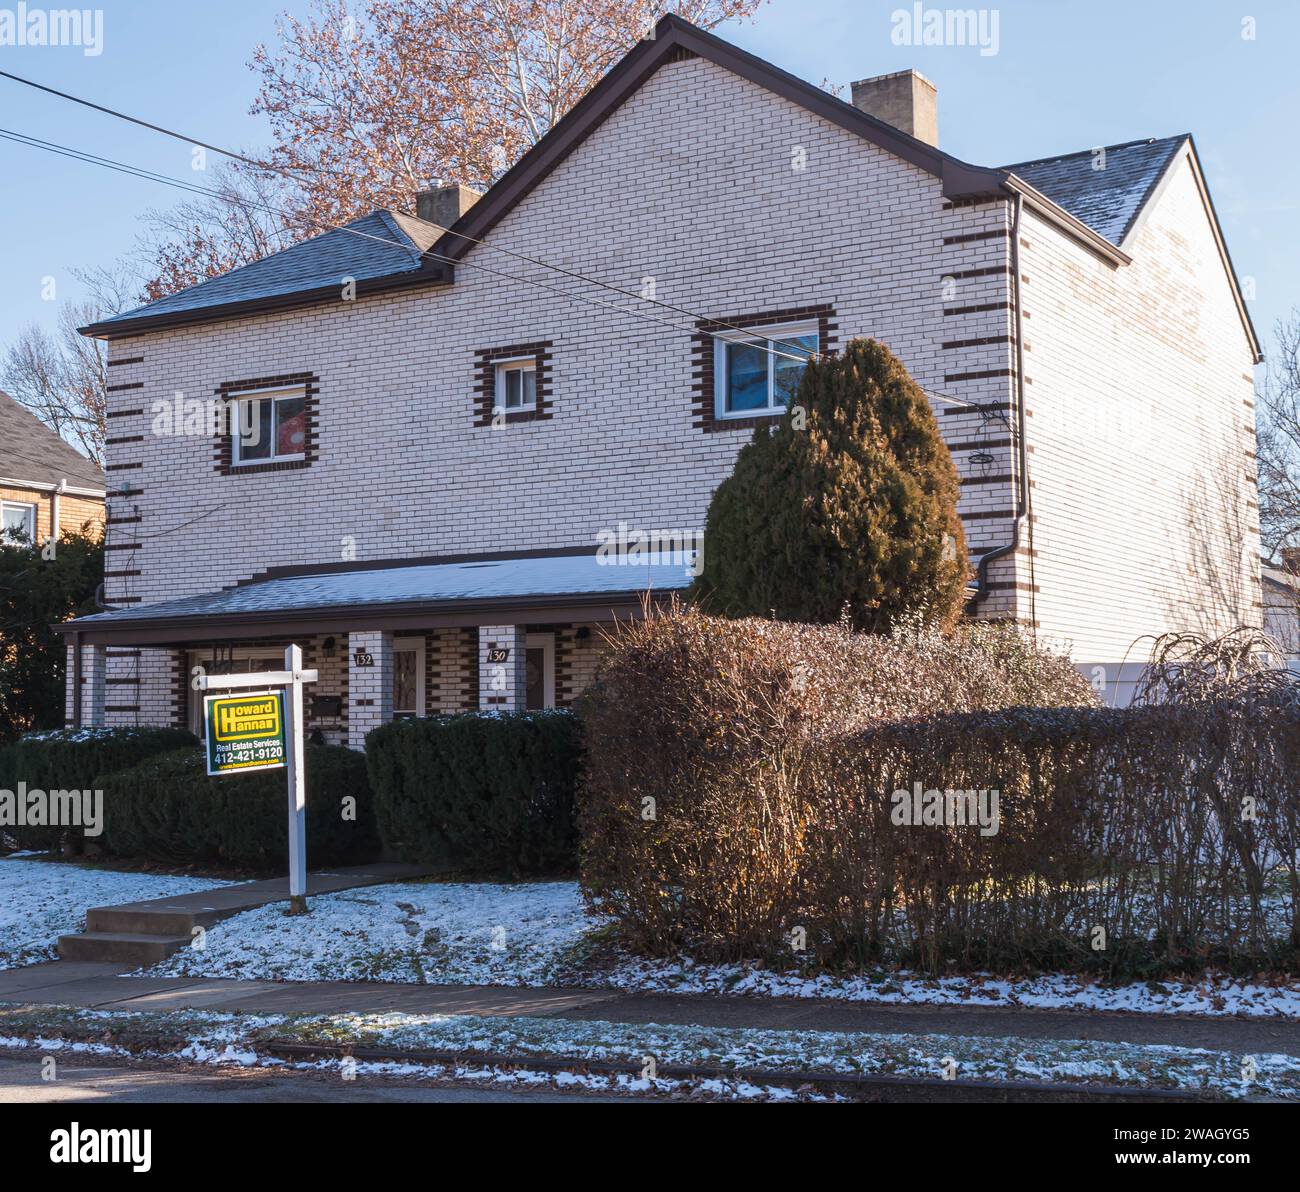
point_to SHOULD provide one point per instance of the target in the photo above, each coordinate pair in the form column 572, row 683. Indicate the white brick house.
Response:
column 451, row 419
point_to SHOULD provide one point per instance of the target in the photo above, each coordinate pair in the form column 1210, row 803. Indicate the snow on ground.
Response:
column 537, row 934
column 218, row 1038
column 425, row 933
column 42, row 900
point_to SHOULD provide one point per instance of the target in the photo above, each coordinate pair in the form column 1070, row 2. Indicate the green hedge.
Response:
column 168, row 809
column 490, row 793
column 71, row 759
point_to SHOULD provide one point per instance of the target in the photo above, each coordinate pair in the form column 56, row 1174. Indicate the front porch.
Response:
column 489, row 633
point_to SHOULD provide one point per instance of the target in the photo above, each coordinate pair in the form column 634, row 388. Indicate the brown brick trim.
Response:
column 486, row 388
column 999, row 478
column 112, row 600
column 122, row 413
column 702, row 358
column 118, row 493
column 983, row 341
column 310, row 383
column 126, row 360
column 987, row 515
column 983, row 407
column 180, row 689
column 979, row 309
column 977, row 376
column 110, row 520
column 123, row 467
column 123, row 439
column 469, row 670
column 990, row 271
column 980, row 444
column 120, row 574
column 971, row 237
column 123, row 388
column 121, row 707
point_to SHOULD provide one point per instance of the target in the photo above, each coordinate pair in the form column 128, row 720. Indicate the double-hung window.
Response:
column 757, row 371
column 268, row 426
column 19, row 522
column 516, row 385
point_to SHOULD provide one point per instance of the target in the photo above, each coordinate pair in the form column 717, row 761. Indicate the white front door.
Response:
column 408, row 677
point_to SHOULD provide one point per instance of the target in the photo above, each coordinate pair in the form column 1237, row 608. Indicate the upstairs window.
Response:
column 19, row 522
column 516, row 385
column 268, row 426
column 757, row 372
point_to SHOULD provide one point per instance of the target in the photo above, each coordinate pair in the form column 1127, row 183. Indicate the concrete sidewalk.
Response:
column 102, row 986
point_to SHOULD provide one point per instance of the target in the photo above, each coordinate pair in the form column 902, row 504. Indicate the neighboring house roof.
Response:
column 1105, row 188
column 30, row 451
column 1280, row 578
column 1096, row 207
column 421, row 589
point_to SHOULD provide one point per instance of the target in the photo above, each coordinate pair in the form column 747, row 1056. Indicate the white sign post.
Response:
column 290, row 680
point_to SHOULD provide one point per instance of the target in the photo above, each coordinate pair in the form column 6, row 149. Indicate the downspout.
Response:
column 54, row 508
column 1022, row 451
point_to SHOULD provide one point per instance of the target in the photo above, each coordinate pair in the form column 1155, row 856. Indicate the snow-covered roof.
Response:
column 1104, row 188
column 424, row 584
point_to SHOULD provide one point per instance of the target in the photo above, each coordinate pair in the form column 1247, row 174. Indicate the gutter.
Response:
column 62, row 487
column 1022, row 448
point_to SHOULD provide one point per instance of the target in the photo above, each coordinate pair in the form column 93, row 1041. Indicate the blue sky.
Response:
column 1067, row 75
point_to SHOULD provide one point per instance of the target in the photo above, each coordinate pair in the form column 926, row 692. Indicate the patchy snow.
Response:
column 539, row 933
column 42, row 900
column 425, row 933
column 736, row 1060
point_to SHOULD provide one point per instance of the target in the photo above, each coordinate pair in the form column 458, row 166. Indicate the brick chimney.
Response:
column 444, row 205
column 906, row 99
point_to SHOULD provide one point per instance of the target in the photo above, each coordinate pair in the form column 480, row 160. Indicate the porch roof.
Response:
column 484, row 590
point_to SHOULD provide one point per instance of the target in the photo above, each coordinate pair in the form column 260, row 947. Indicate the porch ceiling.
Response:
column 486, row 591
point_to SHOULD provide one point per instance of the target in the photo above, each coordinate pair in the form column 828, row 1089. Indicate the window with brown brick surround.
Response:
column 485, row 368
column 702, row 357
column 230, row 391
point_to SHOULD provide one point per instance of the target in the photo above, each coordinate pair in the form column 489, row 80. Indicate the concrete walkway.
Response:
column 102, row 986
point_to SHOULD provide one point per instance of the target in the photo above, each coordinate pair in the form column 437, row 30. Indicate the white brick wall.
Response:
column 1140, row 396
column 370, row 688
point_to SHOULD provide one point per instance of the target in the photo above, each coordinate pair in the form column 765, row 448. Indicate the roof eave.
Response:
column 1073, row 227
column 433, row 273
column 143, row 630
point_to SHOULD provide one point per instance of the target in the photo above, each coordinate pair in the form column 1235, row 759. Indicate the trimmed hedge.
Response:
column 168, row 809
column 72, row 759
column 489, row 793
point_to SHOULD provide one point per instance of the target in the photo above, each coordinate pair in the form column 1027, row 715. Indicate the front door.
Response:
column 408, row 677
column 539, row 679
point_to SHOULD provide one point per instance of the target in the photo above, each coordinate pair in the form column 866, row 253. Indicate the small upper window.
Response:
column 268, row 426
column 517, row 385
column 19, row 522
column 758, row 372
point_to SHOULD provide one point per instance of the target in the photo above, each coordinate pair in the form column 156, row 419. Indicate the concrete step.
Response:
column 120, row 946
column 135, row 920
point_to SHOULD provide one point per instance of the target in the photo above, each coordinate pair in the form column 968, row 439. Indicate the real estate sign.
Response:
column 245, row 732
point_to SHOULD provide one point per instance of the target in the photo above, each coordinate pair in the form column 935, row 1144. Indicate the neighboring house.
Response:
column 1282, row 604
column 439, row 439
column 47, row 486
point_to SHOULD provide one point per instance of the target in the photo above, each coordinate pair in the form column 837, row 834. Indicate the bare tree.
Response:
column 1279, row 440
column 60, row 375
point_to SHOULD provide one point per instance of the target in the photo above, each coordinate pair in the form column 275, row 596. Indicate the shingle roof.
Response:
column 422, row 584
column 376, row 245
column 1106, row 199
column 29, row 450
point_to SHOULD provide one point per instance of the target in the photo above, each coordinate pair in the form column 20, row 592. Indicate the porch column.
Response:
column 93, row 665
column 502, row 668
column 370, row 683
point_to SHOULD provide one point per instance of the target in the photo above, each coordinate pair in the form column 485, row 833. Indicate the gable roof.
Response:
column 1107, row 199
column 30, row 451
column 376, row 249
column 1097, row 208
